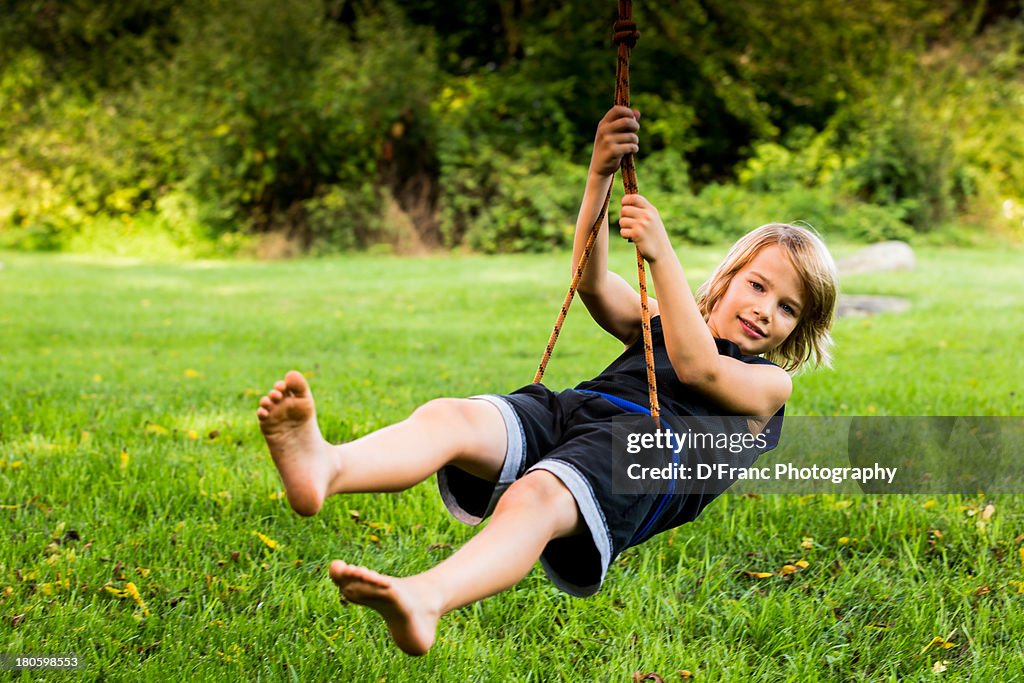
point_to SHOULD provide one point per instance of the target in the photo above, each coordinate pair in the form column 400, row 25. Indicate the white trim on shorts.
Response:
column 592, row 515
column 515, row 456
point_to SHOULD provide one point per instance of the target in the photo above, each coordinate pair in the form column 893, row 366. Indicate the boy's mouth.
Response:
column 753, row 329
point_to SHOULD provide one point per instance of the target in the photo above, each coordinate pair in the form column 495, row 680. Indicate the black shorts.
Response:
column 569, row 434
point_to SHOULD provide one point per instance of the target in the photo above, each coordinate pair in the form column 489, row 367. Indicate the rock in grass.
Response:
column 864, row 305
column 878, row 258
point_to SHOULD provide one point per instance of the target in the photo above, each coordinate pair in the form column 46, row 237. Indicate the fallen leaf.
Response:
column 192, row 374
column 684, row 673
column 940, row 642
column 650, row 676
column 269, row 542
column 758, row 575
column 938, row 667
column 807, row 543
column 131, row 592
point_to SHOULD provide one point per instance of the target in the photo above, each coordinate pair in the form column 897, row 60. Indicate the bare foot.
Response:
column 410, row 612
column 288, row 422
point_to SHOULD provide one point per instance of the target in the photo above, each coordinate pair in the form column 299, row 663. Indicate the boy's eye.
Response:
column 756, row 285
column 787, row 308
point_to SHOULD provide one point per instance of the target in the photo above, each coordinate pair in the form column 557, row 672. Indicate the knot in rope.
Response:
column 625, row 32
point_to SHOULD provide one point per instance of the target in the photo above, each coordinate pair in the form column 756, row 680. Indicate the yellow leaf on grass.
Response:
column 929, row 504
column 758, row 575
column 939, row 642
column 124, row 458
column 192, row 374
column 1021, row 553
column 803, row 564
column 153, row 428
column 843, row 540
column 269, row 542
column 130, row 592
column 807, row 543
column 788, row 569
column 193, row 434
column 276, row 496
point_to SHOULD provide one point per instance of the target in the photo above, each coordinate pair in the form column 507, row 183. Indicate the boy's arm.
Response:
column 611, row 301
column 741, row 388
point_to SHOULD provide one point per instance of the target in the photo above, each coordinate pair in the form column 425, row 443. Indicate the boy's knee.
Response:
column 476, row 425
column 541, row 490
column 455, row 413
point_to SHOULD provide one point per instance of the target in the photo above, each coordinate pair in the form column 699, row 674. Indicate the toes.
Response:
column 371, row 577
column 275, row 395
column 279, row 385
column 344, row 574
column 265, row 402
column 296, row 383
column 262, row 413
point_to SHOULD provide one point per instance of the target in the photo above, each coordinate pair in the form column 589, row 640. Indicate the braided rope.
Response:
column 626, row 37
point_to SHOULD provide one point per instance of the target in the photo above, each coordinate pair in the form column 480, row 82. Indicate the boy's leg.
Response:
column 534, row 510
column 463, row 432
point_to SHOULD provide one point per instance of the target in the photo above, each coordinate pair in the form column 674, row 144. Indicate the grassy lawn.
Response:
column 130, row 457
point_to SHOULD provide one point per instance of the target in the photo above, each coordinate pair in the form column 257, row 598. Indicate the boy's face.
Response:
column 762, row 304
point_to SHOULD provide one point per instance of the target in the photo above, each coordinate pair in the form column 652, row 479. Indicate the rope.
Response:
column 626, row 37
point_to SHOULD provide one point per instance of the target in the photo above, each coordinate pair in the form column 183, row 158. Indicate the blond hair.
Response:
column 811, row 339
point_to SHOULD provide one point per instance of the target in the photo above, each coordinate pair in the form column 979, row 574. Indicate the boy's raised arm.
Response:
column 611, row 301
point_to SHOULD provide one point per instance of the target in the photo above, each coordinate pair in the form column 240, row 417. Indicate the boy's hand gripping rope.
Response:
column 626, row 37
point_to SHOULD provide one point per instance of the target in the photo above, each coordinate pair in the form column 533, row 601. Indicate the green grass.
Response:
column 129, row 452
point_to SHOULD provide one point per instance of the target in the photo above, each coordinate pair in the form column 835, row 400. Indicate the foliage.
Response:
column 343, row 123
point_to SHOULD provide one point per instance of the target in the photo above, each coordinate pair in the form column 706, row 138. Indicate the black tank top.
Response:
column 626, row 377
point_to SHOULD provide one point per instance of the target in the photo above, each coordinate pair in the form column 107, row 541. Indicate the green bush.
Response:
column 504, row 203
